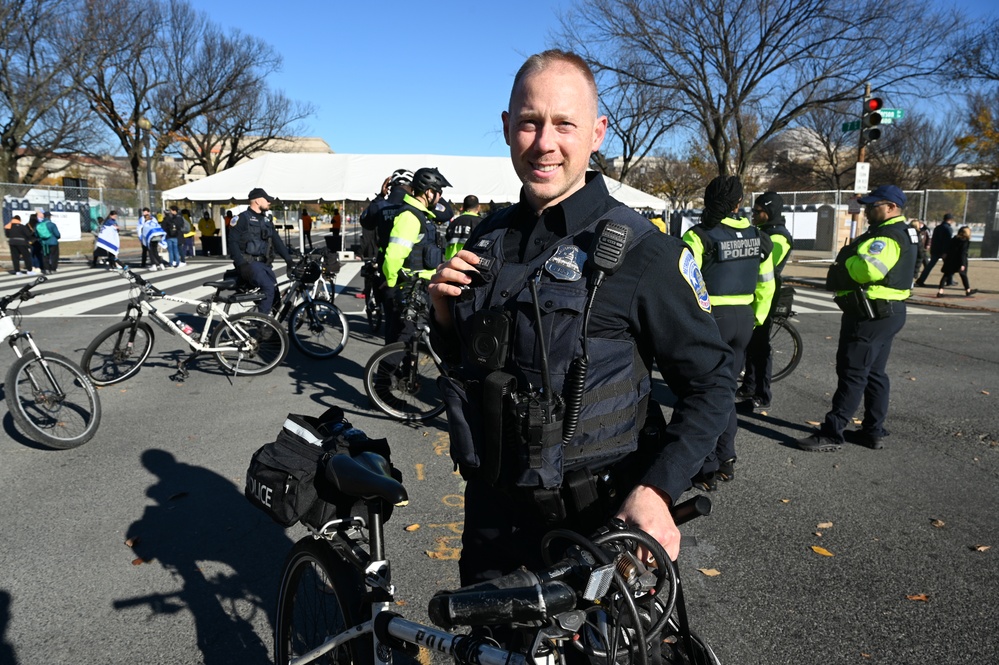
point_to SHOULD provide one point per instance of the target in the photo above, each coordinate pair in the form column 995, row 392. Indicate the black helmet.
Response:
column 429, row 179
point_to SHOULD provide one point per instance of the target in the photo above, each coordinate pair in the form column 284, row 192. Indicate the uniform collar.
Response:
column 574, row 213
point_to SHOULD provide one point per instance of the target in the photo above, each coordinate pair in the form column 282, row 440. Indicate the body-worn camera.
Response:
column 490, row 338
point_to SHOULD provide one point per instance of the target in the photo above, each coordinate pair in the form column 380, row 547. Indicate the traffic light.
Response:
column 869, row 120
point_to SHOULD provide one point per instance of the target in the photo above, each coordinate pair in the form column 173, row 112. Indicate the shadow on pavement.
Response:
column 7, row 653
column 199, row 520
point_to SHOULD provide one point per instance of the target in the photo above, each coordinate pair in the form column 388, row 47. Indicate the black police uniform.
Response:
column 865, row 343
column 252, row 242
column 653, row 308
column 370, row 218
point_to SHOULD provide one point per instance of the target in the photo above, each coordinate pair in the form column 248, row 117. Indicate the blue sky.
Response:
column 408, row 77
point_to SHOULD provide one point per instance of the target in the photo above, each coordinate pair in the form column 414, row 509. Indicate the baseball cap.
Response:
column 885, row 193
column 259, row 193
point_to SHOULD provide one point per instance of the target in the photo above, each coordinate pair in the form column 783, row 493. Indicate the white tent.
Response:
column 303, row 177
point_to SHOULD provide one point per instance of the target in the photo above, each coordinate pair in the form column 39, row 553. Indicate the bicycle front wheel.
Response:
column 318, row 329
column 59, row 407
column 118, row 353
column 320, row 596
column 403, row 383
column 785, row 349
column 259, row 344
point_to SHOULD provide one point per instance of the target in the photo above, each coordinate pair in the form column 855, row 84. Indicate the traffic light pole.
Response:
column 862, row 150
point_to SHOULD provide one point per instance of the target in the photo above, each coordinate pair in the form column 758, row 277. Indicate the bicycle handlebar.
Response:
column 23, row 292
column 135, row 277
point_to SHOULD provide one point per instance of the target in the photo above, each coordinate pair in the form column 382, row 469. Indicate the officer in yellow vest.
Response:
column 872, row 278
column 736, row 261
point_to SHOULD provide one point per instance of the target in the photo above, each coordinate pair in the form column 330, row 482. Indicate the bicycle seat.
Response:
column 234, row 298
column 366, row 476
column 222, row 285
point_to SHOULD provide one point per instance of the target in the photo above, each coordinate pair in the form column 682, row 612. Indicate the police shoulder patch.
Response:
column 692, row 274
column 876, row 247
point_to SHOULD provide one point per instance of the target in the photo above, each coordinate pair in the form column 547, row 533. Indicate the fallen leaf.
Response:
column 981, row 548
column 140, row 561
column 824, row 525
column 132, row 542
column 821, row 550
column 763, row 413
column 412, row 527
column 709, row 572
column 986, row 392
column 400, row 603
column 813, row 423
column 426, row 434
column 864, row 655
column 436, row 555
column 785, row 500
column 921, row 597
column 818, row 533
column 937, row 523
column 912, row 378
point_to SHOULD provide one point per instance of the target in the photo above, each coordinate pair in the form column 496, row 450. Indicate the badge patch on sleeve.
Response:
column 692, row 274
column 876, row 247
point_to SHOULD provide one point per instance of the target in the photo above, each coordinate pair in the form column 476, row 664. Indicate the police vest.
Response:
column 460, row 228
column 616, row 390
column 898, row 277
column 427, row 252
column 779, row 230
column 731, row 260
column 255, row 240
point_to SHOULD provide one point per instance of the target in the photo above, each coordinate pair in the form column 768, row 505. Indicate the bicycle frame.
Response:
column 139, row 306
column 12, row 333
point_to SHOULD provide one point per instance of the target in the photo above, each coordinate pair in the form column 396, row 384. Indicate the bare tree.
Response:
column 982, row 138
column 638, row 117
column 724, row 62
column 254, row 121
column 978, row 55
column 915, row 153
column 40, row 116
column 814, row 152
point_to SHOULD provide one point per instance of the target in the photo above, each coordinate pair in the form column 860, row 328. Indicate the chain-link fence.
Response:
column 76, row 207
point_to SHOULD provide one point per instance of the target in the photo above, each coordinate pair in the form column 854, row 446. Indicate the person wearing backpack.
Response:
column 173, row 225
column 48, row 239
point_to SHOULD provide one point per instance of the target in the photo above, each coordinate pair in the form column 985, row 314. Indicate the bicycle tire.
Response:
column 318, row 329
column 397, row 395
column 58, row 422
column 320, row 595
column 374, row 314
column 785, row 349
column 131, row 342
column 266, row 348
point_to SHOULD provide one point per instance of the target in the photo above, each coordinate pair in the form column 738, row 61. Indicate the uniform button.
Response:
column 537, row 241
column 505, row 294
column 549, row 303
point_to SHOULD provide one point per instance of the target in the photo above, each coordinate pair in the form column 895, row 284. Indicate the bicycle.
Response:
column 786, row 347
column 316, row 326
column 596, row 597
column 401, row 378
column 49, row 397
column 373, row 308
column 248, row 343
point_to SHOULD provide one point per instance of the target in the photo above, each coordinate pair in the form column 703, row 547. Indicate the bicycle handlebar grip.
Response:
column 486, row 606
column 697, row 506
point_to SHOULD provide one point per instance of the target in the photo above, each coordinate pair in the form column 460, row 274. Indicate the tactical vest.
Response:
column 899, row 276
column 427, row 253
column 257, row 236
column 731, row 260
column 460, row 228
column 616, row 390
column 779, row 230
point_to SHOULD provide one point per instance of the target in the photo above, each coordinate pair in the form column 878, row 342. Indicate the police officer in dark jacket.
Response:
column 571, row 438
column 872, row 278
column 253, row 240
column 369, row 221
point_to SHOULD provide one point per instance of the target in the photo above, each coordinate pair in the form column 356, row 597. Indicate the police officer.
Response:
column 461, row 226
column 414, row 245
column 370, row 218
column 768, row 217
column 735, row 258
column 872, row 277
column 528, row 468
column 252, row 243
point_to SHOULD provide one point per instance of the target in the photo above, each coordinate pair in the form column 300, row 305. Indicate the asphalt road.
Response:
column 198, row 584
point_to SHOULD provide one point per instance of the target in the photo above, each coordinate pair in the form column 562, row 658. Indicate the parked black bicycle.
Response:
column 49, row 397
column 401, row 378
column 595, row 598
column 786, row 347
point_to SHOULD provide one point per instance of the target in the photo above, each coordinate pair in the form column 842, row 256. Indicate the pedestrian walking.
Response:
column 48, row 239
column 173, row 226
column 955, row 261
column 939, row 244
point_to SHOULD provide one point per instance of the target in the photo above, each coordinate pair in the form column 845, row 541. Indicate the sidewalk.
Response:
column 983, row 274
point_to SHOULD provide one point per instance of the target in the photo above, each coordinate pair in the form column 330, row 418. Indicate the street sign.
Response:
column 862, row 180
column 892, row 114
column 851, row 126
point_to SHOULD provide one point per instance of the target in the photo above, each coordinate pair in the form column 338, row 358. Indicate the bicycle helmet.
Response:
column 429, row 179
column 400, row 177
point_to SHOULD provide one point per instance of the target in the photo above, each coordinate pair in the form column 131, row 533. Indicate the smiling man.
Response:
column 571, row 462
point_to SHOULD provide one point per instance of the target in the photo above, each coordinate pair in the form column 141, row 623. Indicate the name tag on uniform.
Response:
column 566, row 264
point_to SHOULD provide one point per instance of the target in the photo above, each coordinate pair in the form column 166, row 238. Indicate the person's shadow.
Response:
column 7, row 654
column 198, row 517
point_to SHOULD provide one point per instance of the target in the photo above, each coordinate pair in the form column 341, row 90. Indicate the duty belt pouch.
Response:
column 464, row 423
column 856, row 304
column 543, row 459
